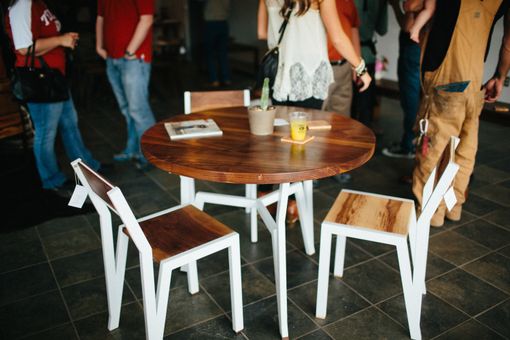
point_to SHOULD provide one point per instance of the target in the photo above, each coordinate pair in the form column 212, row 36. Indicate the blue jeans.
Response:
column 47, row 119
column 130, row 83
column 409, row 84
column 216, row 49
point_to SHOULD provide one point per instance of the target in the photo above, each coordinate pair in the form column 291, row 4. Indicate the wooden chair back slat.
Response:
column 99, row 185
column 208, row 100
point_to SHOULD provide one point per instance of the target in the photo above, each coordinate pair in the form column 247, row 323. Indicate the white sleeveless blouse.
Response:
column 304, row 70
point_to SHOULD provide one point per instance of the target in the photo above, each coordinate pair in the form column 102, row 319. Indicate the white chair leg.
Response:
column 251, row 192
column 236, row 286
column 149, row 298
column 410, row 296
column 323, row 281
column 187, row 190
column 164, row 281
column 115, row 281
column 306, row 222
column 338, row 270
column 192, row 273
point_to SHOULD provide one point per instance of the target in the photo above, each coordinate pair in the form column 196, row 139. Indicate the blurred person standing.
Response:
column 216, row 13
column 339, row 97
column 408, row 71
column 124, row 40
column 455, row 49
column 373, row 16
column 31, row 25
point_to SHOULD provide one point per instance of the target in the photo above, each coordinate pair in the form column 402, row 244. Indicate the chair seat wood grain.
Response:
column 371, row 211
column 181, row 230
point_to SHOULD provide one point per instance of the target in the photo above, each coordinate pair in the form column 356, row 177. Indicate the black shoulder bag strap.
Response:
column 286, row 18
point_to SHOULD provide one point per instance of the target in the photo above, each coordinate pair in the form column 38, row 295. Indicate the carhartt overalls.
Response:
column 456, row 113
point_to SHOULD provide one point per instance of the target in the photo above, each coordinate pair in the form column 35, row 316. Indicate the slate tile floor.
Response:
column 52, row 280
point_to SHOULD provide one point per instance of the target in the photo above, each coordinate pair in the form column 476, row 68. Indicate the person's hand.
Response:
column 101, row 52
column 69, row 40
column 365, row 79
column 415, row 35
column 493, row 89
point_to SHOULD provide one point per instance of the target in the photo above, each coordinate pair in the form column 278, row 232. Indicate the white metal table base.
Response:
column 276, row 227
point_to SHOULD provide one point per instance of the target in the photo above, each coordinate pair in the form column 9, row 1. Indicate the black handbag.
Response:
column 38, row 85
column 268, row 67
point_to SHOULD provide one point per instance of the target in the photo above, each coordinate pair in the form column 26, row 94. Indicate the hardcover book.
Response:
column 192, row 129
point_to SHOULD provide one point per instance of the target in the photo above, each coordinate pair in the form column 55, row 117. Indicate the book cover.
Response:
column 192, row 129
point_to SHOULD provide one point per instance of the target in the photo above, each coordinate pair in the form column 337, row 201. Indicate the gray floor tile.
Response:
column 470, row 330
column 342, row 301
column 435, row 265
column 500, row 217
column 466, row 292
column 317, row 335
column 61, row 332
column 255, row 287
column 373, row 248
column 480, row 206
column 82, row 267
column 485, row 233
column 70, row 243
column 373, row 280
column 26, row 282
column 493, row 268
column 131, row 325
column 497, row 318
column 367, row 324
column 62, row 225
column 32, row 315
column 261, row 321
column 456, row 248
column 218, row 328
column 299, row 269
column 87, row 298
column 437, row 316
column 505, row 251
column 133, row 278
column 17, row 255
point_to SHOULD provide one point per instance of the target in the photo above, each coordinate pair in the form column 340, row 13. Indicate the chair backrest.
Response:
column 199, row 101
column 439, row 181
column 105, row 197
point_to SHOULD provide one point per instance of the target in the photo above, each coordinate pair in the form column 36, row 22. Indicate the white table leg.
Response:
column 304, row 199
column 187, row 197
column 279, row 253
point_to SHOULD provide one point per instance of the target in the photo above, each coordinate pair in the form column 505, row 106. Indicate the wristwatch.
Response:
column 129, row 54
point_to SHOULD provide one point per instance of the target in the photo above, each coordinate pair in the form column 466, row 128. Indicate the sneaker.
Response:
column 396, row 151
column 142, row 164
column 123, row 157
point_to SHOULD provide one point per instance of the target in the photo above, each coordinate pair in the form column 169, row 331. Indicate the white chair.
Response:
column 172, row 237
column 207, row 100
column 389, row 220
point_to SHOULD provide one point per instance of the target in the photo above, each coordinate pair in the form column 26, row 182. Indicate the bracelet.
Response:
column 361, row 69
column 129, row 54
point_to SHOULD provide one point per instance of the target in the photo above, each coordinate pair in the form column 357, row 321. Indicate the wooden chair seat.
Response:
column 181, row 230
column 371, row 211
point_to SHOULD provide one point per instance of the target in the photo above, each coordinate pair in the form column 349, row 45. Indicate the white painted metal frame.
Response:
column 413, row 281
column 250, row 189
column 155, row 299
column 276, row 227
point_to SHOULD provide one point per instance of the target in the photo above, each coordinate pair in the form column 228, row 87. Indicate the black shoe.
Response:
column 396, row 151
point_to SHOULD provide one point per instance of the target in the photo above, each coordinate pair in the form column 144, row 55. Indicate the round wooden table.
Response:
column 239, row 157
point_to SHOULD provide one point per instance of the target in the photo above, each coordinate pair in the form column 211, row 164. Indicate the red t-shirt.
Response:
column 120, row 20
column 348, row 18
column 28, row 21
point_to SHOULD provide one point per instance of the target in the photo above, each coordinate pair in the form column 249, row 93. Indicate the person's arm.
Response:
column 357, row 47
column 494, row 86
column 339, row 39
column 44, row 45
column 262, row 21
column 413, row 5
column 99, row 38
column 141, row 31
column 422, row 18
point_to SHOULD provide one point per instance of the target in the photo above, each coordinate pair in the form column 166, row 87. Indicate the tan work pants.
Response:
column 340, row 91
column 449, row 114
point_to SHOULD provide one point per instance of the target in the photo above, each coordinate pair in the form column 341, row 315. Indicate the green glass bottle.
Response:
column 264, row 99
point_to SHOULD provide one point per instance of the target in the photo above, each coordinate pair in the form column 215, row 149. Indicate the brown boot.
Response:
column 437, row 220
column 292, row 212
column 455, row 214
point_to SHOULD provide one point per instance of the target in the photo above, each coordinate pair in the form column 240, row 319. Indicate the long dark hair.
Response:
column 303, row 6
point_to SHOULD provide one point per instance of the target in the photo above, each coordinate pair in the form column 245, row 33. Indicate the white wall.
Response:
column 388, row 46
